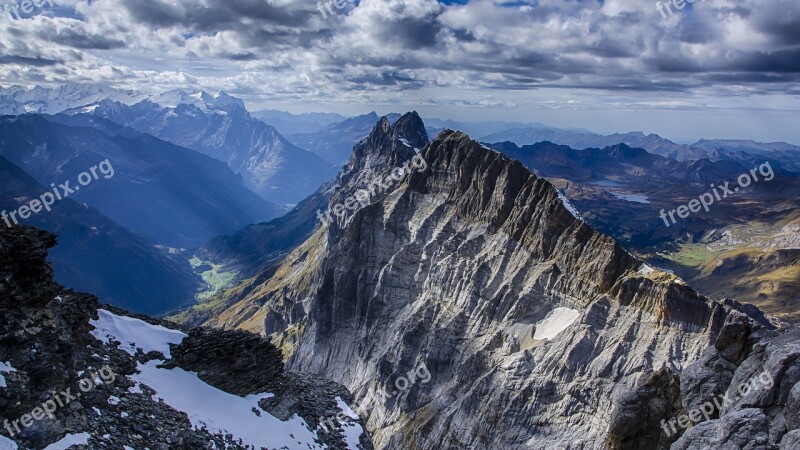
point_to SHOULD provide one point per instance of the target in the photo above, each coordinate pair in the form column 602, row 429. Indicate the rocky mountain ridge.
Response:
column 535, row 328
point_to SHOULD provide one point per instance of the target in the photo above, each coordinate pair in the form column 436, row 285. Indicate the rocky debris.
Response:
column 760, row 407
column 744, row 429
column 314, row 400
column 235, row 361
column 45, row 337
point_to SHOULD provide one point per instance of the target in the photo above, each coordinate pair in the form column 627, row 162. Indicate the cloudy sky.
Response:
column 715, row 69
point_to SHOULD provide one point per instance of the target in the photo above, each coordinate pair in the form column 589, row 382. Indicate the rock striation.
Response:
column 463, row 267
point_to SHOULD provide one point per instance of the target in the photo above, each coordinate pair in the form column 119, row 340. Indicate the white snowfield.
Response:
column 223, row 413
column 570, row 207
column 644, row 269
column 352, row 431
column 134, row 333
column 557, row 321
column 206, row 406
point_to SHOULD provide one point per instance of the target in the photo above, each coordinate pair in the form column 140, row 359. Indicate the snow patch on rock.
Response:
column 70, row 440
column 7, row 444
column 557, row 321
column 5, row 367
column 570, row 207
column 134, row 334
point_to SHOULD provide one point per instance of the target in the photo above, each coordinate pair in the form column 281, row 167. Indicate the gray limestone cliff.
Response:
column 538, row 332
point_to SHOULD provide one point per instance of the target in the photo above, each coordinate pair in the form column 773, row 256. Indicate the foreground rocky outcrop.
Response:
column 538, row 332
column 100, row 378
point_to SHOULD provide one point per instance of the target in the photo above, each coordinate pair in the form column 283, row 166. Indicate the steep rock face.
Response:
column 533, row 326
column 151, row 384
column 752, row 377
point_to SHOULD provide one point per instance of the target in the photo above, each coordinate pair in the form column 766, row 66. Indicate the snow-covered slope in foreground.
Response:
column 207, row 407
column 223, row 413
column 127, row 381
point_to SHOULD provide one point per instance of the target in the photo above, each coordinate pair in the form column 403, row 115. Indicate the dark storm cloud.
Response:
column 385, row 79
column 215, row 15
column 779, row 19
column 75, row 38
column 413, row 34
column 27, row 61
column 781, row 61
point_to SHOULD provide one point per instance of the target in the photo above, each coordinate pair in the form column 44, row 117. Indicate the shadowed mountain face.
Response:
column 95, row 254
column 168, row 194
column 534, row 326
column 221, row 128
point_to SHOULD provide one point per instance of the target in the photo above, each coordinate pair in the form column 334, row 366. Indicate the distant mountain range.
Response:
column 216, row 125
column 620, row 161
column 332, row 136
column 335, row 142
column 17, row 100
column 288, row 123
column 747, row 152
column 221, row 128
column 166, row 193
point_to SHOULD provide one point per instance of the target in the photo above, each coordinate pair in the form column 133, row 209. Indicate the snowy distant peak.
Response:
column 76, row 98
column 46, row 100
column 223, row 100
column 222, row 103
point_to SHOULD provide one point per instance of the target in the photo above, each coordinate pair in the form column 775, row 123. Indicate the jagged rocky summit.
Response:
column 538, row 331
column 74, row 374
